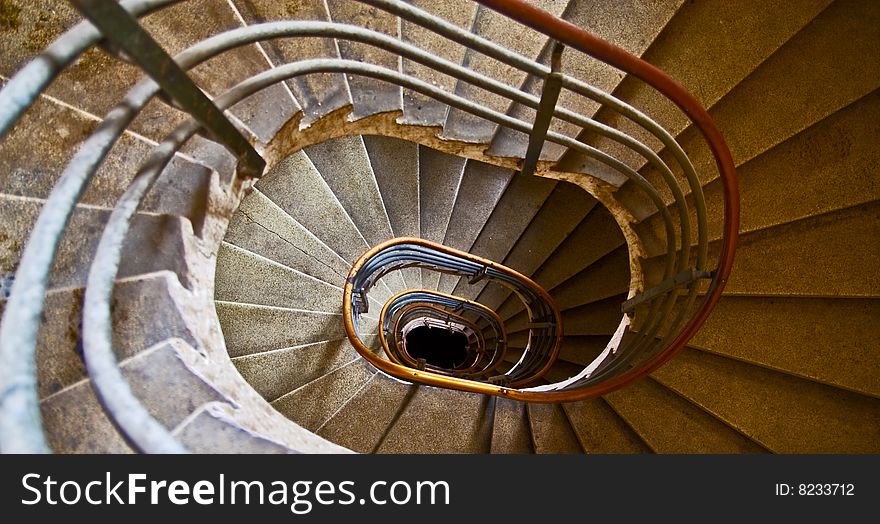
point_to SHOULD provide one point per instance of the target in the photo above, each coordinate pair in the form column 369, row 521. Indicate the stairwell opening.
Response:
column 439, row 347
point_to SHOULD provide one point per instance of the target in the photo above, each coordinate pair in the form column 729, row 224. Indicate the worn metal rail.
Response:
column 665, row 312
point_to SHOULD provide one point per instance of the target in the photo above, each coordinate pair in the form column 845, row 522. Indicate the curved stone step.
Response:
column 515, row 210
column 318, row 94
column 260, row 226
column 362, row 423
column 797, row 330
column 369, row 96
column 479, row 192
column 441, row 421
column 417, row 108
column 632, row 25
column 510, row 428
column 550, row 429
column 489, row 24
column 440, row 176
column 75, row 422
column 702, row 48
column 563, row 210
column 313, row 404
column 784, row 413
column 670, row 424
column 835, row 164
column 277, row 372
column 600, row 430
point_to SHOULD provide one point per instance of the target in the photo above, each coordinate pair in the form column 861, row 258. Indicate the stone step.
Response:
column 417, row 108
column 395, row 164
column 516, row 209
column 510, row 428
column 261, row 227
column 75, row 422
column 440, row 176
column 596, row 236
column 600, row 430
column 362, row 423
column 784, row 413
column 166, row 238
column 668, row 423
column 833, row 160
column 313, row 404
column 369, row 96
column 494, row 26
column 631, row 25
column 789, row 107
column 550, row 429
column 479, row 192
column 843, row 357
column 243, row 276
column 39, row 147
column 136, row 327
column 295, row 186
column 607, row 277
column 277, row 372
column 211, row 430
column 250, row 329
column 563, row 210
column 701, row 48
column 441, row 421
column 318, row 94
column 598, row 318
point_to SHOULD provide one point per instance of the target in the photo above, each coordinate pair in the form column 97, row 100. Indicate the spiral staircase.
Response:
column 200, row 296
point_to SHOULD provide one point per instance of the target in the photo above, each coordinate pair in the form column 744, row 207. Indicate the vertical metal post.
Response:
column 124, row 33
column 549, row 96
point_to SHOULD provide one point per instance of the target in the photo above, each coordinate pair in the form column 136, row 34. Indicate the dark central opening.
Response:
column 439, row 347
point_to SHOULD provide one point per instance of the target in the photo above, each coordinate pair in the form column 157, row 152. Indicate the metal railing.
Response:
column 406, row 309
column 665, row 321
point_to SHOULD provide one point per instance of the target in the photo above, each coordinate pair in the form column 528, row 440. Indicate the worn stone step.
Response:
column 212, row 430
column 631, row 25
column 510, row 428
column 361, row 424
column 482, row 186
column 441, row 421
column 598, row 318
column 668, row 423
column 516, row 209
column 701, row 47
column 797, row 330
column 167, row 239
column 784, row 413
column 39, row 147
column 803, row 99
column 318, row 94
column 440, row 176
column 563, row 210
column 243, row 276
column 833, row 160
column 395, row 164
column 250, row 329
column 369, row 96
column 596, row 236
column 297, row 187
column 280, row 371
column 136, row 327
column 419, row 109
column 75, row 422
column 261, row 227
column 494, row 26
column 315, row 403
column 550, row 429
column 607, row 277
column 600, row 430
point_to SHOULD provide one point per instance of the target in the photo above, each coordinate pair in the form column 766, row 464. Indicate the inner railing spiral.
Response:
column 660, row 317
